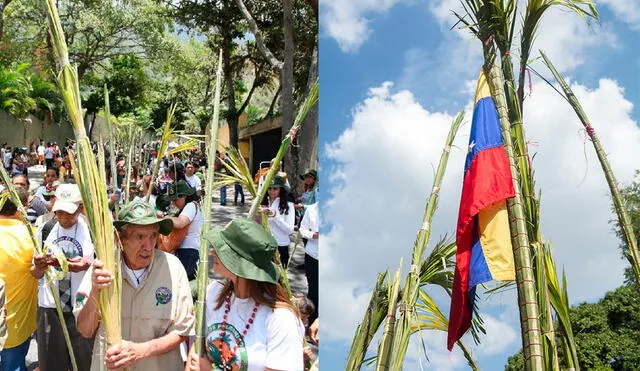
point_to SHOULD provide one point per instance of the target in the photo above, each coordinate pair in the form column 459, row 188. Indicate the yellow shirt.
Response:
column 21, row 289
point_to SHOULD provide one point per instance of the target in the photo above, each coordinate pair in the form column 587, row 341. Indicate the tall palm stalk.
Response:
column 527, row 301
column 406, row 315
column 50, row 274
column 166, row 134
column 309, row 102
column 203, row 265
column 112, row 152
column 623, row 216
column 384, row 349
column 366, row 330
column 92, row 186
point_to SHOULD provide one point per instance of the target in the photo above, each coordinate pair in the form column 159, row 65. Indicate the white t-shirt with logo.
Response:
column 274, row 340
column 194, row 182
column 75, row 241
column 193, row 211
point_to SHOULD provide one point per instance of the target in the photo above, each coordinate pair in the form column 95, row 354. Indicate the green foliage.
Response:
column 127, row 82
column 631, row 199
column 515, row 362
column 607, row 333
column 23, row 93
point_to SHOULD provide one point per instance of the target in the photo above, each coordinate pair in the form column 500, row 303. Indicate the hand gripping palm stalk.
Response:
column 203, row 265
column 51, row 274
column 92, row 185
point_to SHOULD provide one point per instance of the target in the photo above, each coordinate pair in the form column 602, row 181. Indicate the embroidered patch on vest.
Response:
column 163, row 295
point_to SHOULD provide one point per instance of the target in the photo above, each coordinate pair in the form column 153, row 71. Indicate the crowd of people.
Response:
column 252, row 323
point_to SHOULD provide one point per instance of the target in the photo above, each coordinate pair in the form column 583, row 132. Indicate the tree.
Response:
column 631, row 197
column 607, row 332
column 23, row 93
column 128, row 84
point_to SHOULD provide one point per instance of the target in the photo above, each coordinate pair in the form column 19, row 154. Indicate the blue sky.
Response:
column 379, row 142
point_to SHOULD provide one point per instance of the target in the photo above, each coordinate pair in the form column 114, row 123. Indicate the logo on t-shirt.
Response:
column 69, row 246
column 163, row 295
column 227, row 348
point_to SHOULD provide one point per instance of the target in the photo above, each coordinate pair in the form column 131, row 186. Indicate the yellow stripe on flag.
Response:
column 496, row 241
column 482, row 89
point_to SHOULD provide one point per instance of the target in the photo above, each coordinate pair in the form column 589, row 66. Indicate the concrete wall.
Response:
column 14, row 131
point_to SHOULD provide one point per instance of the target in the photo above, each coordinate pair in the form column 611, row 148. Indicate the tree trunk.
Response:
column 232, row 114
column 308, row 136
column 272, row 106
column 92, row 125
column 286, row 102
column 2, row 6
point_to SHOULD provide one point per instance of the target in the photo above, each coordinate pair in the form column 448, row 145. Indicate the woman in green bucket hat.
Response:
column 250, row 321
column 185, row 199
column 281, row 215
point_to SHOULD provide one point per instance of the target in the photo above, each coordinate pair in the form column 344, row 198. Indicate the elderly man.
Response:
column 156, row 300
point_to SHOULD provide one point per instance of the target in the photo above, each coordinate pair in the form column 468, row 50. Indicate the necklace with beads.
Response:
column 223, row 328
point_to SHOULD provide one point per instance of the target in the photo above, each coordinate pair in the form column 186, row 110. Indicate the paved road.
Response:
column 220, row 216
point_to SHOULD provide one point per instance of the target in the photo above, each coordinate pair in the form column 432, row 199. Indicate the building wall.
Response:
column 13, row 131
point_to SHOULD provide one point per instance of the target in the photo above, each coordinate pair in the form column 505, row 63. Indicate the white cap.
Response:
column 68, row 198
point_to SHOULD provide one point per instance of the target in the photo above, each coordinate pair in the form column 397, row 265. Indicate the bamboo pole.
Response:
column 92, row 186
column 527, row 301
column 402, row 333
column 623, row 216
column 203, row 265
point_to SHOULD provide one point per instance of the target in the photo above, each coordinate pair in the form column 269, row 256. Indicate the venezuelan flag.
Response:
column 483, row 240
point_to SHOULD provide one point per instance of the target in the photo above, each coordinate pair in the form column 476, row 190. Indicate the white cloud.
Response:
column 348, row 21
column 382, row 173
column 626, row 10
column 499, row 336
column 566, row 38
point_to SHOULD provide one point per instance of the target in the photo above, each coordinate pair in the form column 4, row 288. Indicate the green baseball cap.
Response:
column 139, row 212
column 246, row 250
column 181, row 188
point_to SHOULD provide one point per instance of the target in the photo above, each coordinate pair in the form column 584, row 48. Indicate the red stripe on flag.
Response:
column 486, row 181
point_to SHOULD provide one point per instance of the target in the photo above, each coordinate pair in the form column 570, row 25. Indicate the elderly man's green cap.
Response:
column 246, row 250
column 142, row 213
column 181, row 188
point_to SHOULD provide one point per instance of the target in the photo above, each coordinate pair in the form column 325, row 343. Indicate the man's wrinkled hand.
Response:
column 123, row 355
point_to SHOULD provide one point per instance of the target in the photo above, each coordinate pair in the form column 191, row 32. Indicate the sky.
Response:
column 394, row 75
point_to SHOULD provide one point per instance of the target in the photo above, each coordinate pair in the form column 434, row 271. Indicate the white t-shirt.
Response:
column 194, row 182
column 48, row 153
column 308, row 226
column 75, row 241
column 7, row 159
column 281, row 225
column 193, row 211
column 274, row 340
column 41, row 150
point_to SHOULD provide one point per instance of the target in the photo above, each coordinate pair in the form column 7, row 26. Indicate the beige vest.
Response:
column 161, row 304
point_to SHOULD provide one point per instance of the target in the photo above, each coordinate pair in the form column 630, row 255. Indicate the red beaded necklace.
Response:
column 223, row 328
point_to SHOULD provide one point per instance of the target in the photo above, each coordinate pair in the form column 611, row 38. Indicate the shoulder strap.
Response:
column 46, row 229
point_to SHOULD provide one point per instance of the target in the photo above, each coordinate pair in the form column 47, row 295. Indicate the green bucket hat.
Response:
column 181, row 188
column 141, row 213
column 279, row 182
column 310, row 172
column 246, row 250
